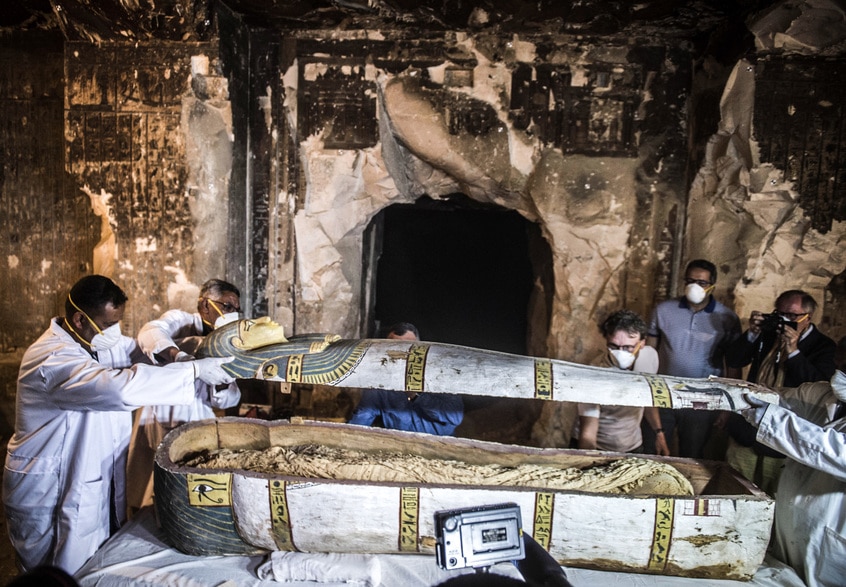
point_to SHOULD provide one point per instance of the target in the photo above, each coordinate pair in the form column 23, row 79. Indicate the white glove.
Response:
column 210, row 370
column 755, row 412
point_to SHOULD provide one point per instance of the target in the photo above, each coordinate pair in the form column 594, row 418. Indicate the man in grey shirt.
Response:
column 691, row 334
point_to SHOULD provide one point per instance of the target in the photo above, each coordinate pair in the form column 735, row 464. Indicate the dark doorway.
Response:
column 460, row 271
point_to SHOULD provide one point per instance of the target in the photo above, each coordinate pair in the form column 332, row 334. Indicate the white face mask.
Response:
column 106, row 339
column 624, row 359
column 695, row 293
column 226, row 319
column 838, row 385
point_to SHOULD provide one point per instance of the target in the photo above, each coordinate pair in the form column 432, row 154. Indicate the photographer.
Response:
column 782, row 349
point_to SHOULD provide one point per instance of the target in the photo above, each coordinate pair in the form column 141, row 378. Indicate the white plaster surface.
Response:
column 805, row 27
column 584, row 205
column 105, row 251
column 207, row 125
column 741, row 213
column 756, row 224
column 181, row 293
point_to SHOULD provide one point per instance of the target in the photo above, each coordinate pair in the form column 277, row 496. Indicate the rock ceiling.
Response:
column 97, row 20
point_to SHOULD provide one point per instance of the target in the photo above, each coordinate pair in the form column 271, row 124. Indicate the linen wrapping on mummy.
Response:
column 247, row 486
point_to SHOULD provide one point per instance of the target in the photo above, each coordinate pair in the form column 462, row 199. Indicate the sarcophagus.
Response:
column 260, row 350
column 720, row 531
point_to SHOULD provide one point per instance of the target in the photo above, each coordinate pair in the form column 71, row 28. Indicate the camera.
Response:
column 478, row 536
column 773, row 323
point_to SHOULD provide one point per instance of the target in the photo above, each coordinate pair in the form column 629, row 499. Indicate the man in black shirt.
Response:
column 782, row 349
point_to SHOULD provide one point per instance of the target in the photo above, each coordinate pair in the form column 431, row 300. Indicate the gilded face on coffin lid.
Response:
column 260, row 332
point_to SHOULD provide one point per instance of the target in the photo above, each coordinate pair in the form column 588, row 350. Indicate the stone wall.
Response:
column 263, row 155
column 771, row 187
column 587, row 141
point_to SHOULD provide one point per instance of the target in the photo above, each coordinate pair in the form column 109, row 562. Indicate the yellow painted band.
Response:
column 542, row 526
column 280, row 518
column 409, row 519
column 415, row 367
column 660, row 551
column 543, row 380
column 660, row 391
column 294, row 372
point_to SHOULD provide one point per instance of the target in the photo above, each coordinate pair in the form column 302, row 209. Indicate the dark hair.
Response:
column 809, row 304
column 216, row 287
column 703, row 264
column 44, row 576
column 482, row 580
column 401, row 328
column 623, row 320
column 92, row 293
column 840, row 355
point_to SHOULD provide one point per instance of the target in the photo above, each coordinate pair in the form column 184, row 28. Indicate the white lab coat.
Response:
column 810, row 509
column 65, row 466
column 185, row 331
column 152, row 423
column 157, row 335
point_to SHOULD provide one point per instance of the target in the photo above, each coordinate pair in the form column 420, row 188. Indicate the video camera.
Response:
column 479, row 537
column 773, row 323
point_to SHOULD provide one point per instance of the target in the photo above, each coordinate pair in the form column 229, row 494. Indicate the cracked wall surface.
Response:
column 776, row 216
column 455, row 127
column 588, row 136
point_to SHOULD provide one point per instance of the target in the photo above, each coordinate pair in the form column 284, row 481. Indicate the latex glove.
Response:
column 755, row 412
column 210, row 370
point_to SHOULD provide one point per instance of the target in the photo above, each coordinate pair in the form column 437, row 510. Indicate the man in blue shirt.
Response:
column 433, row 413
column 691, row 334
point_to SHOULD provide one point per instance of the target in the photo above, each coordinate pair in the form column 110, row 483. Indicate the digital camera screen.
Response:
column 494, row 535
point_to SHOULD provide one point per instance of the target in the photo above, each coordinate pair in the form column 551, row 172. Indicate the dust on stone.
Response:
column 630, row 475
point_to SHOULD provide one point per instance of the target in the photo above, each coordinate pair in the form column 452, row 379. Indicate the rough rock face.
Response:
column 763, row 201
column 744, row 212
column 262, row 141
column 448, row 129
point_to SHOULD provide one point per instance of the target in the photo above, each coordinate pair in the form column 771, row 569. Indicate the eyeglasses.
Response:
column 626, row 347
column 225, row 306
column 791, row 316
column 700, row 282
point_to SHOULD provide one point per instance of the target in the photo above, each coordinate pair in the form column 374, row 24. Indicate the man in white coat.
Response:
column 174, row 337
column 64, row 482
column 810, row 511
